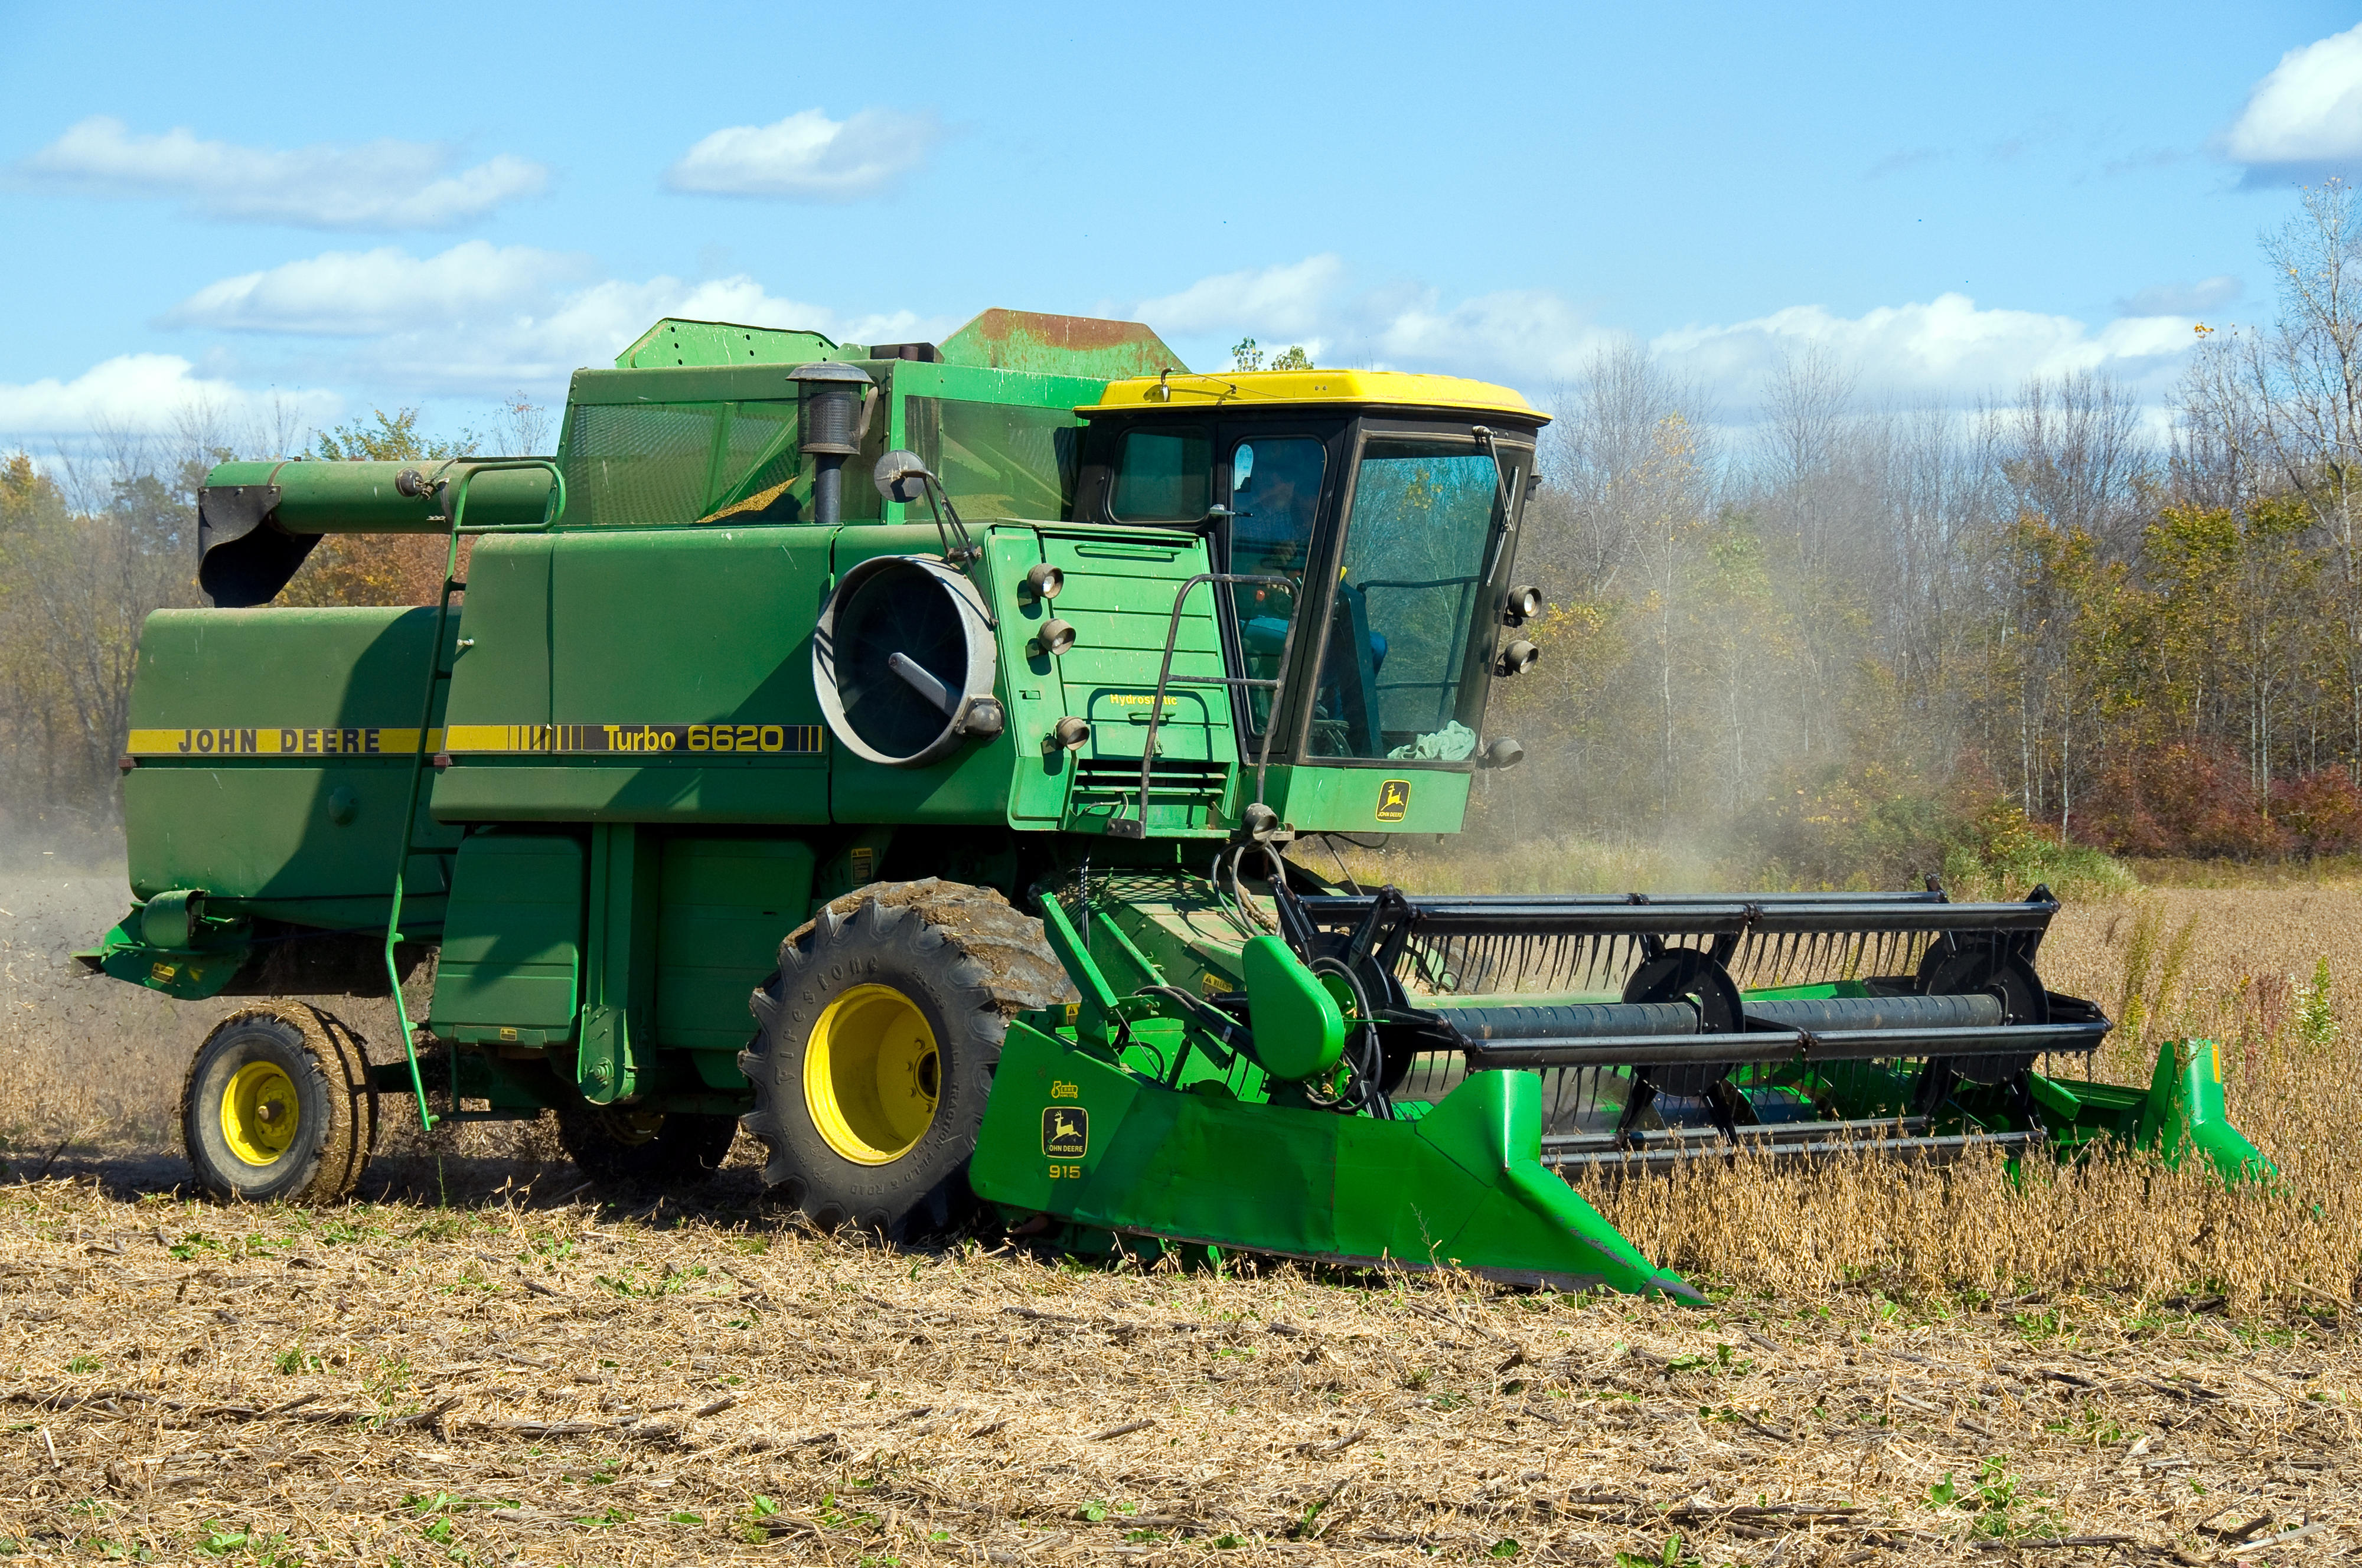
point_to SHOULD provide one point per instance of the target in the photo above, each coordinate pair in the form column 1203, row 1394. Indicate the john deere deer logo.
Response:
column 1065, row 1133
column 1394, row 800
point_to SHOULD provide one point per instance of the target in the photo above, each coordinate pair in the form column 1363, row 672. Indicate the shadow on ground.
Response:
column 731, row 1194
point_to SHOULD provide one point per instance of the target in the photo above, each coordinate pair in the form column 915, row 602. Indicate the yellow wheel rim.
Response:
column 872, row 1074
column 258, row 1111
column 630, row 1125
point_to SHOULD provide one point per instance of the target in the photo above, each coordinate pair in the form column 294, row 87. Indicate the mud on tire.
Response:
column 909, row 985
column 278, row 1107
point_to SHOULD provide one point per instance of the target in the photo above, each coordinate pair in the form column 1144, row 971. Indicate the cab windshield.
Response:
column 1395, row 678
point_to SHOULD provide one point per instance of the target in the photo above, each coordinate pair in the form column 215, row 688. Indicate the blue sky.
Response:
column 441, row 205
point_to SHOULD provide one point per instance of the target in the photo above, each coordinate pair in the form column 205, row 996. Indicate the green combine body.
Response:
column 975, row 784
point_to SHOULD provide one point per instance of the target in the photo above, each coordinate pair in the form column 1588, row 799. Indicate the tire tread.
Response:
column 999, row 965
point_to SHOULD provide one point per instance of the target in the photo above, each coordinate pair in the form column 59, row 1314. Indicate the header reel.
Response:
column 1669, row 1026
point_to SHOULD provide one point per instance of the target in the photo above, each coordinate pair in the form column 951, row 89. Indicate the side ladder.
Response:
column 437, row 675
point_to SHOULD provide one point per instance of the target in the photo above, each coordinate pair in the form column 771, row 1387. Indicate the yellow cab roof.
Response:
column 1395, row 388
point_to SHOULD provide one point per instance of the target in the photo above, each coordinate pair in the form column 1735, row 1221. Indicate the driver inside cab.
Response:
column 1275, row 496
column 1274, row 499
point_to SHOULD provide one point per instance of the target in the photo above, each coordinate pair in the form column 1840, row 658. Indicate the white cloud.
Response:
column 808, row 157
column 478, row 317
column 142, row 393
column 1527, row 338
column 1289, row 301
column 366, row 292
column 2182, row 299
column 1947, row 348
column 589, row 326
column 2308, row 112
column 382, row 184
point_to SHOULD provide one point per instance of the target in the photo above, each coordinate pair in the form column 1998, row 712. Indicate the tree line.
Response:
column 1852, row 633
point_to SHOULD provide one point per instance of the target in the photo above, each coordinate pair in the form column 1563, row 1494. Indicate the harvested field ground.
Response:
column 478, row 1365
column 395, row 1382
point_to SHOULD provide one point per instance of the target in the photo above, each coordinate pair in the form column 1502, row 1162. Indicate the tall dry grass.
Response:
column 2268, row 973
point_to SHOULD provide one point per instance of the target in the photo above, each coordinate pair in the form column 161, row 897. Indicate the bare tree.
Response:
column 1810, row 496
column 1922, row 566
column 2281, row 410
column 279, row 429
column 2070, row 451
column 1808, row 406
column 521, row 428
column 1606, row 435
column 2217, row 453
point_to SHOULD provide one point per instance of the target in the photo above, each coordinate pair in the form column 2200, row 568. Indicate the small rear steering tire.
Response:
column 278, row 1107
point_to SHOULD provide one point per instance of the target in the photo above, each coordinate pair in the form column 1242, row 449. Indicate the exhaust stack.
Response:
column 835, row 416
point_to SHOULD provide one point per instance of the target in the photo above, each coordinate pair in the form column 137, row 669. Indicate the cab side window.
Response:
column 1164, row 476
column 1274, row 499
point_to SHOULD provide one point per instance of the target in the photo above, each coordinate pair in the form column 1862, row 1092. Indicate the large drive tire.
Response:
column 278, row 1107
column 623, row 1146
column 875, row 1044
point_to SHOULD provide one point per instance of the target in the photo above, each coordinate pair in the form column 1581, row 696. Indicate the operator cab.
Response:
column 1378, row 512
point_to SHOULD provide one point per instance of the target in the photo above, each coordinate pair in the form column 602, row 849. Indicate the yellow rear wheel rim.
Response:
column 259, row 1112
column 630, row 1125
column 872, row 1074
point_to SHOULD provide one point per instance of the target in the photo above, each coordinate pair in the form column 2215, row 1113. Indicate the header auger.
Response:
column 981, row 780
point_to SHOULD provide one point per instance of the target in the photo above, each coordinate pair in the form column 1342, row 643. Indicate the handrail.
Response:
column 1368, row 583
column 1165, row 677
column 456, row 507
column 551, row 512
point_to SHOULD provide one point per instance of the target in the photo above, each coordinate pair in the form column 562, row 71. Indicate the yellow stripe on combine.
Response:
column 572, row 740
column 575, row 740
column 253, row 741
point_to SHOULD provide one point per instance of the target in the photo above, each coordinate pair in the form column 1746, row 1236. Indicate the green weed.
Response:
column 2316, row 1014
column 1673, row 1554
column 1995, row 1499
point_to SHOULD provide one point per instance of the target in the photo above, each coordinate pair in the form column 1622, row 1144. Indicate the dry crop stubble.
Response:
column 388, row 1382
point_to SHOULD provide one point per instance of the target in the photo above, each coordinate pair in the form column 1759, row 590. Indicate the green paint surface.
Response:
column 1461, row 1187
column 512, row 955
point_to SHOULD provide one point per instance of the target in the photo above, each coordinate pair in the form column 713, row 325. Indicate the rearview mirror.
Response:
column 902, row 476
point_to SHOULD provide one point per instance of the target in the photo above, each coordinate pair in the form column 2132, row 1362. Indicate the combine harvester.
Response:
column 1103, row 640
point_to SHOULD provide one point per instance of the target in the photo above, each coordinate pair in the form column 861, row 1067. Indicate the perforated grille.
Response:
column 997, row 461
column 630, row 463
